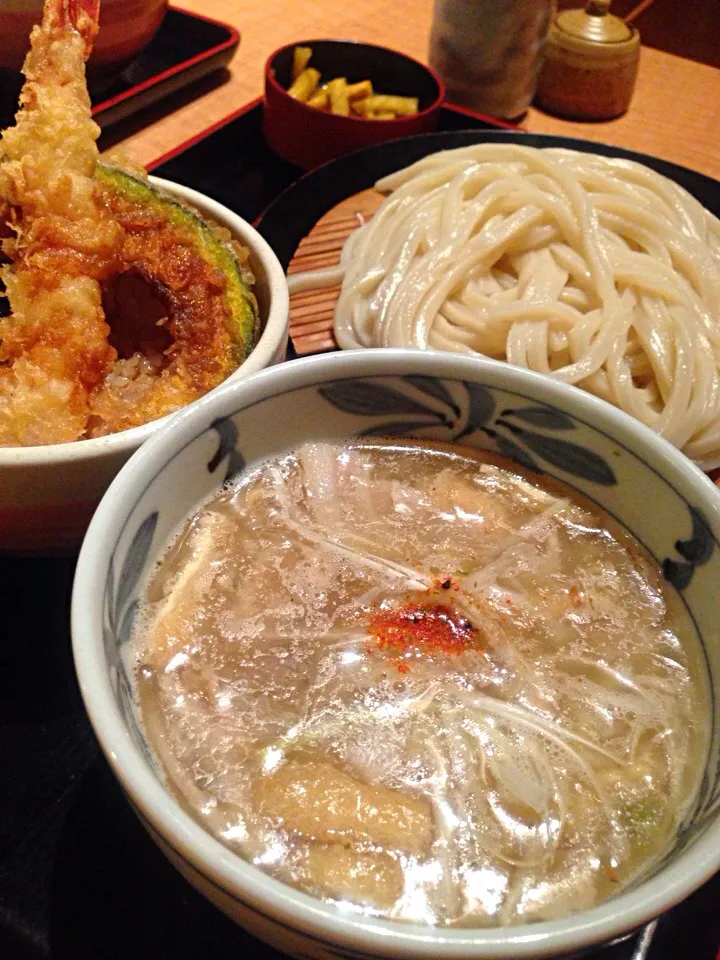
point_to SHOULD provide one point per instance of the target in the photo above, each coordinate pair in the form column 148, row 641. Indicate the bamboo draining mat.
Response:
column 311, row 312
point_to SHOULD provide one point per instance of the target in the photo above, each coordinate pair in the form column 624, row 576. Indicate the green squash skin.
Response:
column 243, row 321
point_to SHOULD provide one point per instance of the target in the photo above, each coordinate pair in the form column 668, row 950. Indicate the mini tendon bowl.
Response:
column 651, row 488
column 308, row 137
column 48, row 493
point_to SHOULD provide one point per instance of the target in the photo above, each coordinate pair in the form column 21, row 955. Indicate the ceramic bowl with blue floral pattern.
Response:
column 647, row 485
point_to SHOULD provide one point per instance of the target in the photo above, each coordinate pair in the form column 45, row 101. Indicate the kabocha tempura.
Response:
column 123, row 304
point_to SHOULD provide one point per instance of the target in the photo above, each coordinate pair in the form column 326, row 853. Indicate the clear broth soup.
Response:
column 411, row 678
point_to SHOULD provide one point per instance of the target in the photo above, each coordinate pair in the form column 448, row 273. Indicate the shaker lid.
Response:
column 594, row 24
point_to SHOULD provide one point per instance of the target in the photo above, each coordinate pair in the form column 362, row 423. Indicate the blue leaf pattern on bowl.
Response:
column 678, row 574
column 120, row 604
column 133, row 563
column 696, row 551
column 395, row 428
column 110, row 593
column 508, row 448
column 227, row 448
column 128, row 709
column 568, row 456
column 372, row 399
column 541, row 417
column 436, row 389
column 128, row 622
column 481, row 406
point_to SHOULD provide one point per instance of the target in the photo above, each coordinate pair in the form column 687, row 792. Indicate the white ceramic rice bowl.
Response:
column 650, row 487
column 49, row 493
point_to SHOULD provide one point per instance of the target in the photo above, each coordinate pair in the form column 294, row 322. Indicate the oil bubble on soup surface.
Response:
column 412, row 679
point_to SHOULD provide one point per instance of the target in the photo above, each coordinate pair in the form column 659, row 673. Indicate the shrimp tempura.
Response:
column 59, row 238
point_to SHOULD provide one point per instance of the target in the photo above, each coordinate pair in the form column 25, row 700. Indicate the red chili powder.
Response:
column 421, row 628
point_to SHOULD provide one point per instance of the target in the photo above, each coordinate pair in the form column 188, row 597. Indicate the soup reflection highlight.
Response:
column 413, row 679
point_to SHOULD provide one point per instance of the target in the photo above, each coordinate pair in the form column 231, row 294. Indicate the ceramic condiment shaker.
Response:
column 591, row 62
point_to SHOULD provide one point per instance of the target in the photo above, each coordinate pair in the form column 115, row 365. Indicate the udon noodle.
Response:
column 595, row 270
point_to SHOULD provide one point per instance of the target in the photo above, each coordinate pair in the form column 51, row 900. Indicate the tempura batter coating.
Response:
column 62, row 242
column 73, row 231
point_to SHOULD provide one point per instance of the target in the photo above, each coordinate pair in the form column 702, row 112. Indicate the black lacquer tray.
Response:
column 79, row 877
column 186, row 48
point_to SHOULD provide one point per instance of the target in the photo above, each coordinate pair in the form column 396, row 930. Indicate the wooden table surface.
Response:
column 675, row 113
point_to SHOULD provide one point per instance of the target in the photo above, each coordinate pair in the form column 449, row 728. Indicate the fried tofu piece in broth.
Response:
column 372, row 878
column 322, row 803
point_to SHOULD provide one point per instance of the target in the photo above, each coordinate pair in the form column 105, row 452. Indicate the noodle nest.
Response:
column 597, row 271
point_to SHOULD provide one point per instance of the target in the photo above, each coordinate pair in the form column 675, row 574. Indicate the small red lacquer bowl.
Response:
column 308, row 137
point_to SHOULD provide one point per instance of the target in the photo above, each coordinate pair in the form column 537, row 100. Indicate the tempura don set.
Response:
column 402, row 676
